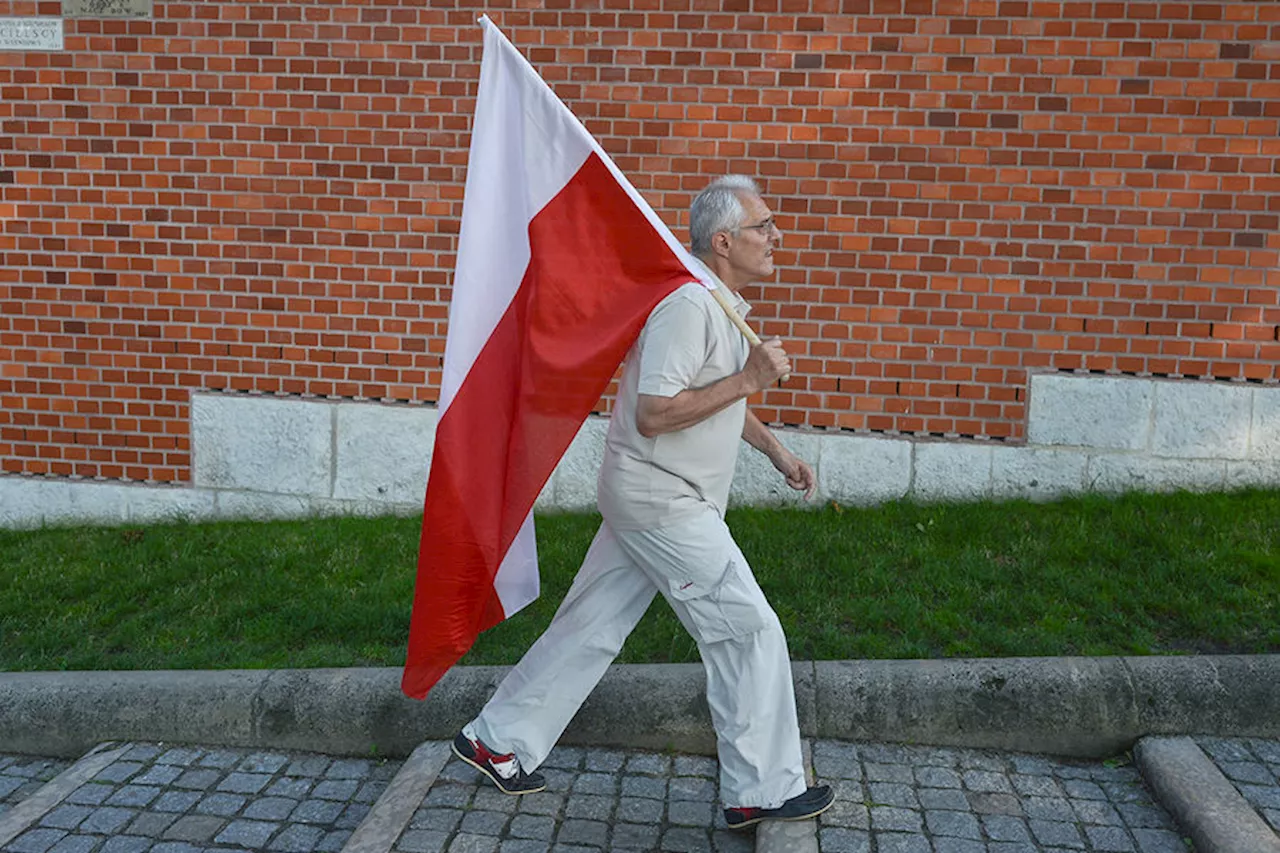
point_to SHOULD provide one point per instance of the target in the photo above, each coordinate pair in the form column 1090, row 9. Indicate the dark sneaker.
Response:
column 811, row 803
column 504, row 770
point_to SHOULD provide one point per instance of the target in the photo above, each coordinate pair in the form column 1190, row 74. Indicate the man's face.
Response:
column 751, row 247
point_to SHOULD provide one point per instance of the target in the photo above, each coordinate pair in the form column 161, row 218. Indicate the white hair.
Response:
column 718, row 208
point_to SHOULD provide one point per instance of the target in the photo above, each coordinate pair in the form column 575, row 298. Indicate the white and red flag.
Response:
column 560, row 262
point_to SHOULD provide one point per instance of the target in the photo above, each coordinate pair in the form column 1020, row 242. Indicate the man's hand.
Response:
column 798, row 473
column 766, row 364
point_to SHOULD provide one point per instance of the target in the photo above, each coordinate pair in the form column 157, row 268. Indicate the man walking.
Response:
column 664, row 485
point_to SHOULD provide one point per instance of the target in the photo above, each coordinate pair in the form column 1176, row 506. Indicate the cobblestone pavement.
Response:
column 1253, row 766
column 21, row 776
column 891, row 799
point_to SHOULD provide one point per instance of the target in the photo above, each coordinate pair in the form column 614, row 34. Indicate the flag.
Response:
column 560, row 261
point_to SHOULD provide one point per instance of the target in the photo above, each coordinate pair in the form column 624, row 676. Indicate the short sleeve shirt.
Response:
column 687, row 342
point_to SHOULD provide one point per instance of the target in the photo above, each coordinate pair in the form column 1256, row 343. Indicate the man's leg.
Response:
column 709, row 585
column 538, row 698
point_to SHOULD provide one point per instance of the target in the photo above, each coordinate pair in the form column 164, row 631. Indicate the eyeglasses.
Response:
column 769, row 226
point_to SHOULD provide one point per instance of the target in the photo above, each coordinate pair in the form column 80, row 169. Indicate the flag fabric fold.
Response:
column 560, row 261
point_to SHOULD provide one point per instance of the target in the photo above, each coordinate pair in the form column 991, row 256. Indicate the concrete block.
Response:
column 383, row 452
column 1264, row 431
column 863, row 470
column 1124, row 472
column 1205, row 420
column 1257, row 474
column 573, row 485
column 163, row 504
column 1035, row 473
column 257, row 506
column 27, row 502
column 1090, row 411
column 757, row 483
column 262, row 444
column 951, row 471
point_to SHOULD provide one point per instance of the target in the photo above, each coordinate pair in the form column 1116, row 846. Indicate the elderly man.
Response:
column 669, row 459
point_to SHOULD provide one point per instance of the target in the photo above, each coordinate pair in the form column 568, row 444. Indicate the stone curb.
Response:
column 1200, row 799
column 1082, row 707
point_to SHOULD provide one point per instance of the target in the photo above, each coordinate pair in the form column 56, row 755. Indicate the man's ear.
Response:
column 720, row 243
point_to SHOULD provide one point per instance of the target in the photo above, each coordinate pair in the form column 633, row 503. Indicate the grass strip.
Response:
column 1139, row 574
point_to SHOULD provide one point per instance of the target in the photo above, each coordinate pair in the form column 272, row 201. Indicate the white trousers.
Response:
column 700, row 570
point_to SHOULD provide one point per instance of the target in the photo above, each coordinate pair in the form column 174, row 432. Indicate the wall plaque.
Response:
column 30, row 34
column 106, row 8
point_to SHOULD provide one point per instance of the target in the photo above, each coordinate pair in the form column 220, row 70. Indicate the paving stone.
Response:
column 293, row 787
column 689, row 813
column 589, row 832
column 422, row 841
column 1056, row 833
column 297, row 838
column 248, row 833
column 348, row 768
column 634, row 836
column 151, row 824
column 937, row 777
column 833, row 839
column 1262, row 796
column 943, row 798
column 681, row 839
column 308, row 765
column 333, row 841
column 221, row 804
column 136, row 796
column 543, row 802
column 263, row 762
column 896, row 820
column 901, row 773
column 596, row 783
column 958, row 845
column 1158, row 841
column 640, row 810
column 1246, row 771
column 452, row 795
column 175, row 801
column 351, row 816
column 317, row 811
column 892, row 794
column 335, row 789
column 1225, row 749
column 956, row 824
column 1005, row 828
column 270, row 808
column 536, row 827
column 491, row 799
column 995, row 803
column 648, row 764
column 75, row 844
column 197, row 780
column 1048, row 808
column 159, row 774
column 473, row 844
column 847, row 814
column 644, row 786
column 895, row 842
column 484, row 823
column 175, row 847
column 1144, row 816
column 126, row 844
column 836, row 761
column 118, row 771
column 180, row 756
column 106, row 820
column 66, row 817
column 244, row 783
column 1112, row 839
column 604, row 760
column 589, row 806
column 696, row 765
column 1080, row 789
column 370, row 791
column 195, row 828
column 564, row 758
column 1032, row 765
column 35, row 841
column 1090, row 811
column 521, row 845
column 729, row 841
column 689, row 788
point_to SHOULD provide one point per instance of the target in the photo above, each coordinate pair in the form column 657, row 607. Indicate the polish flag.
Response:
column 560, row 262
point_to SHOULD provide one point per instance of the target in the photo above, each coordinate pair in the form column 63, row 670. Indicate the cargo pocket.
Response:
column 728, row 607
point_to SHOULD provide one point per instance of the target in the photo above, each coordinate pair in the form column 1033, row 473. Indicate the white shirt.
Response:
column 687, row 342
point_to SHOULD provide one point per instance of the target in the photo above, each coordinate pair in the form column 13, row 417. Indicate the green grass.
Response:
column 1142, row 574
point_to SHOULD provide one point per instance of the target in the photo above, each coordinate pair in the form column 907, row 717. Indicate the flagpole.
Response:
column 747, row 332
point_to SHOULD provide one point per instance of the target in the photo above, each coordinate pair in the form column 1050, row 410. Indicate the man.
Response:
column 669, row 459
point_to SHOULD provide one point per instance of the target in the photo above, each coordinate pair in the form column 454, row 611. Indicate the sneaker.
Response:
column 504, row 770
column 811, row 803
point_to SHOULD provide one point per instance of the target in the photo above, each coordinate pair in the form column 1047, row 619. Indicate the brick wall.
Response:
column 264, row 197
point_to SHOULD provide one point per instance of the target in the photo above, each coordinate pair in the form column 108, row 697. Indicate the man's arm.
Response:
column 656, row 415
column 798, row 473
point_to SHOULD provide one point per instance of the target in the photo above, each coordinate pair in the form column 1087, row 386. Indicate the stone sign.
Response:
column 30, row 34
column 106, row 8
